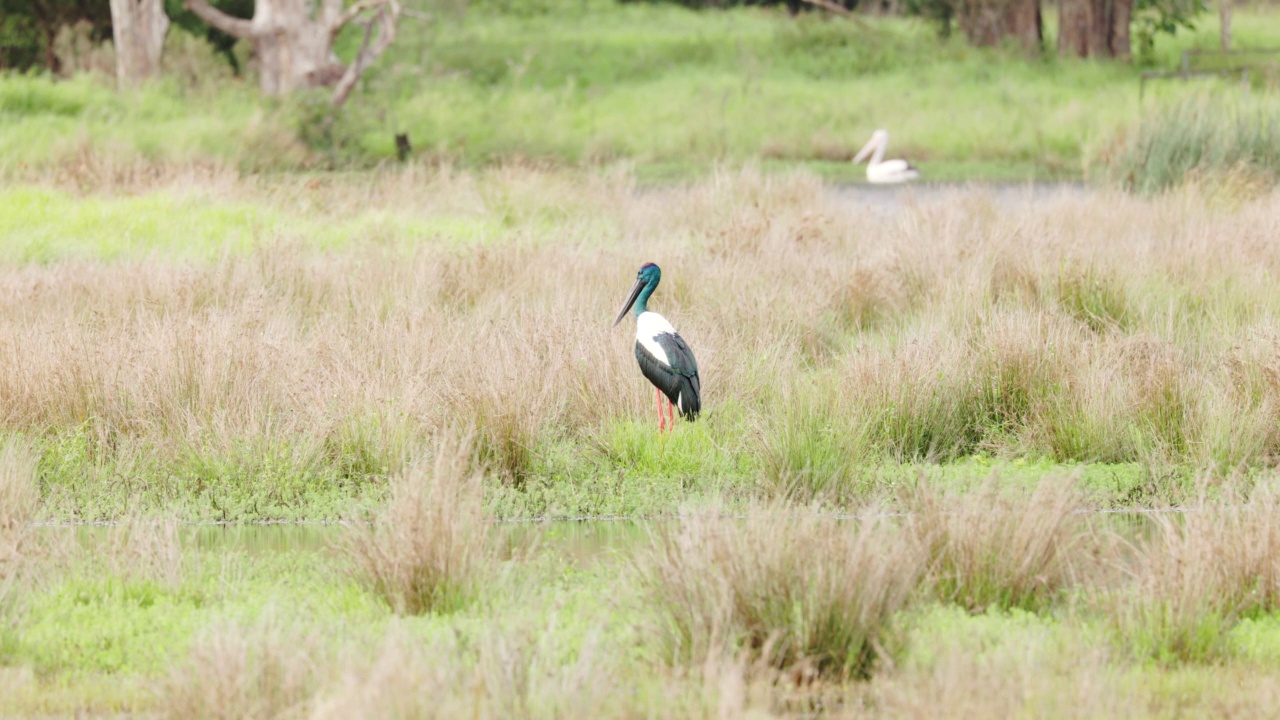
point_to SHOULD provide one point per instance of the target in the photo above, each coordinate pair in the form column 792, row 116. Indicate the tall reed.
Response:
column 1093, row 327
column 18, row 499
column 994, row 547
column 1200, row 573
column 794, row 589
column 1210, row 140
column 429, row 549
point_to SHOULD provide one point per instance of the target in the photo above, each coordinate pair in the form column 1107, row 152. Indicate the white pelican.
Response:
column 664, row 357
column 879, row 170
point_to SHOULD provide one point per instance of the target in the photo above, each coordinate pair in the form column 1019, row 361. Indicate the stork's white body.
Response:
column 649, row 325
column 879, row 170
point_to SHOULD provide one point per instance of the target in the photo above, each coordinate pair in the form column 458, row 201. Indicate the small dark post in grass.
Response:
column 403, row 148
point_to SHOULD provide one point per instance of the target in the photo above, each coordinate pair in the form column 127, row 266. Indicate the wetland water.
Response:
column 575, row 540
column 895, row 198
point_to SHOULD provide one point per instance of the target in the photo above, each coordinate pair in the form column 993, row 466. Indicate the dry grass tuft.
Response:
column 505, row 672
column 1001, row 547
column 429, row 548
column 1087, row 327
column 1025, row 668
column 141, row 549
column 531, row 672
column 1199, row 574
column 235, row 671
column 796, row 589
column 18, row 497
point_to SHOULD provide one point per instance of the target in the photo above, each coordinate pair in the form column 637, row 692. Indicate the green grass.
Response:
column 42, row 225
column 90, row 639
column 821, row 434
column 1224, row 141
column 805, row 444
column 633, row 472
column 672, row 90
column 648, row 95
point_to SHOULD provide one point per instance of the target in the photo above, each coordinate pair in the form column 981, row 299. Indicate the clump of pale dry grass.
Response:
column 1021, row 667
column 504, row 672
column 1199, row 573
column 266, row 671
column 18, row 497
column 429, row 548
column 142, row 549
column 1094, row 327
column 1016, row 666
column 262, row 670
column 1001, row 547
column 796, row 588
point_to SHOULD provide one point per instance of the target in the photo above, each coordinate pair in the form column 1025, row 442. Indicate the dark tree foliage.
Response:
column 29, row 27
column 222, row 42
column 1155, row 17
column 940, row 12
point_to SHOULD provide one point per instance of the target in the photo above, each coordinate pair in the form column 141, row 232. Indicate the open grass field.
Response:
column 673, row 91
column 973, row 374
column 236, row 349
column 966, row 451
column 991, row 602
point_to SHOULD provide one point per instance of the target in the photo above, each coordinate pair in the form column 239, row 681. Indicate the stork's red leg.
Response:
column 671, row 409
column 662, row 418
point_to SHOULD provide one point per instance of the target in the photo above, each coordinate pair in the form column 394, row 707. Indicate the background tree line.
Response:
column 29, row 29
column 292, row 40
column 1087, row 28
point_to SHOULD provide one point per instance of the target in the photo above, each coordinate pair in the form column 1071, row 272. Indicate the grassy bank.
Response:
column 671, row 90
column 232, row 348
column 996, row 602
column 1223, row 145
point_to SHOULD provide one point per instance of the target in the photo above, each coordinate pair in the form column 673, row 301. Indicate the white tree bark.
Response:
column 384, row 24
column 293, row 40
column 138, row 28
column 1224, row 12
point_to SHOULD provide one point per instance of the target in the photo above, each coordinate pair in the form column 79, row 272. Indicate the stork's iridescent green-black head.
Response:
column 646, row 282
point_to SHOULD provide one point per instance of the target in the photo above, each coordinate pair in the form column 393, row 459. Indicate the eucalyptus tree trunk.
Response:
column 138, row 28
column 1224, row 11
column 1094, row 28
column 991, row 22
column 293, row 40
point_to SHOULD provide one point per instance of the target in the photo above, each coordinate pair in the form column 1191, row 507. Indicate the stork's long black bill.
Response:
column 631, row 300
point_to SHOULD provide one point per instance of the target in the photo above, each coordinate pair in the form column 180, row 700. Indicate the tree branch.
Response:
column 370, row 48
column 352, row 12
column 233, row 26
column 830, row 6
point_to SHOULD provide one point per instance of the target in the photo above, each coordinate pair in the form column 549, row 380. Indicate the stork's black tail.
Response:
column 677, row 378
column 688, row 397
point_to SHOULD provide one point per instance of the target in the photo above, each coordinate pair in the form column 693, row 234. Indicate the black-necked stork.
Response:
column 664, row 357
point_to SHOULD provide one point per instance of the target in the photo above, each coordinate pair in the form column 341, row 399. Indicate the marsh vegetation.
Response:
column 914, row 411
column 964, row 451
column 278, row 351
column 777, row 610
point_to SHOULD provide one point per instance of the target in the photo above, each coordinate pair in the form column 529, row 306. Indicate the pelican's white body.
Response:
column 879, row 170
column 650, row 325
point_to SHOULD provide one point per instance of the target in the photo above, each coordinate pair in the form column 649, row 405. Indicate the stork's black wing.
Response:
column 678, row 377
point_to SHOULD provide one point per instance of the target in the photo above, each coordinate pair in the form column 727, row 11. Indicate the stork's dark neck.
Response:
column 642, row 300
